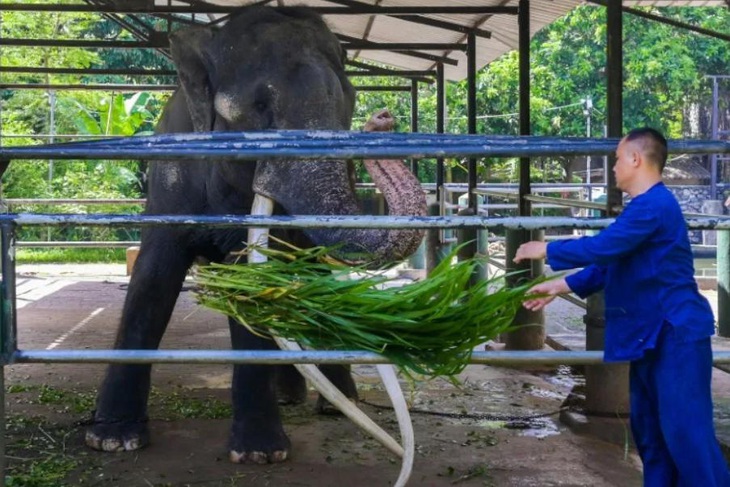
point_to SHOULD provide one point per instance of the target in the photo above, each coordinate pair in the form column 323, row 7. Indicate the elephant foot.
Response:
column 291, row 388
column 339, row 376
column 118, row 437
column 256, row 443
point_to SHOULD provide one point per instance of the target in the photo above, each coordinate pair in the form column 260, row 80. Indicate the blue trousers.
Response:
column 671, row 415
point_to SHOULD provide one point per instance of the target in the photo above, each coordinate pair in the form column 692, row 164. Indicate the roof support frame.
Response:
column 430, row 57
column 442, row 24
column 355, row 9
column 668, row 21
column 131, row 88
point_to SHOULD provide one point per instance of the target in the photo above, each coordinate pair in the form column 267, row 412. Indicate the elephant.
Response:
column 265, row 69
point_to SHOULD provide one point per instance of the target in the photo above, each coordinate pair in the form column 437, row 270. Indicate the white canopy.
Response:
column 498, row 31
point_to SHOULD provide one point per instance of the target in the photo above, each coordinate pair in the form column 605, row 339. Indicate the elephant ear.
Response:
column 189, row 53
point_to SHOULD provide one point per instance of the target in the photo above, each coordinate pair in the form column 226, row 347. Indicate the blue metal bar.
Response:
column 333, row 144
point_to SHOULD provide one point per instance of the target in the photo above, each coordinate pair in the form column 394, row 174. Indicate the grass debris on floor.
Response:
column 428, row 327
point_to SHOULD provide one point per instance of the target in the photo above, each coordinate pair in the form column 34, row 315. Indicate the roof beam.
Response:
column 380, row 71
column 132, row 88
column 668, row 21
column 403, row 46
column 442, row 24
column 421, row 55
column 358, row 9
column 365, row 71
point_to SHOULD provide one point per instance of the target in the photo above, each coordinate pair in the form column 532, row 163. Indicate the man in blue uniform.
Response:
column 655, row 317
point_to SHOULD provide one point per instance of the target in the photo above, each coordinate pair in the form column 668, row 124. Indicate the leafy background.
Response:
column 666, row 86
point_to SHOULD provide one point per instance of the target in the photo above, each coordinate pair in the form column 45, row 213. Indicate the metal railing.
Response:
column 289, row 145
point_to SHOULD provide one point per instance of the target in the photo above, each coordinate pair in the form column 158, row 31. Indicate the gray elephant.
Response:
column 265, row 69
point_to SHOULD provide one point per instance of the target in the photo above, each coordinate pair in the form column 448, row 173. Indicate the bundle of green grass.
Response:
column 429, row 327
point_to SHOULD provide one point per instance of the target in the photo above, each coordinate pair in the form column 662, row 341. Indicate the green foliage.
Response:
column 664, row 75
column 26, row 255
column 428, row 327
column 665, row 69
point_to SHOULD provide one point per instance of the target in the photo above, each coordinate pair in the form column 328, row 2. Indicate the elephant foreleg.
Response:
column 120, row 420
column 257, row 435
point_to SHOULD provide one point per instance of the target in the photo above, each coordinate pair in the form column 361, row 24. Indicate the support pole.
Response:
column 471, row 108
column 440, row 126
column 523, row 21
column 418, row 259
column 607, row 386
column 531, row 332
column 715, row 135
column 414, row 120
column 8, row 341
column 723, row 283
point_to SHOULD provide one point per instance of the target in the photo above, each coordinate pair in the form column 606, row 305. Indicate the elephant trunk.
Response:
column 324, row 188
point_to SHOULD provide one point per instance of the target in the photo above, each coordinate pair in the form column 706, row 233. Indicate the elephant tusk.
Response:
column 265, row 206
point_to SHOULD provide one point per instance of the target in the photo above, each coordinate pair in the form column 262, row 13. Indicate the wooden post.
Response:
column 132, row 253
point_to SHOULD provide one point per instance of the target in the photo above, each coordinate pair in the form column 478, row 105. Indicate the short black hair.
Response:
column 653, row 144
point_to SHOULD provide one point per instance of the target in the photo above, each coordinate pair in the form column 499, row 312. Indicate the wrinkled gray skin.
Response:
column 263, row 70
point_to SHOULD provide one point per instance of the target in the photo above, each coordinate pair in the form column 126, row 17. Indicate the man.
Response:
column 655, row 317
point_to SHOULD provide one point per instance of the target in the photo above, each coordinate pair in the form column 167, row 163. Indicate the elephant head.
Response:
column 284, row 69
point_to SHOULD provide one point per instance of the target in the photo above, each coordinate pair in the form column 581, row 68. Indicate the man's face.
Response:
column 625, row 164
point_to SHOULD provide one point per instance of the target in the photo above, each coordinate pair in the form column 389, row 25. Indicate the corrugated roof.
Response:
column 391, row 29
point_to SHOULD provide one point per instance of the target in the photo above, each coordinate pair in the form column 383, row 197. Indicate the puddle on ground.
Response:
column 546, row 394
column 563, row 376
column 533, row 427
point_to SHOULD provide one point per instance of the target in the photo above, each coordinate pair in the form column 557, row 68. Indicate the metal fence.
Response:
column 302, row 145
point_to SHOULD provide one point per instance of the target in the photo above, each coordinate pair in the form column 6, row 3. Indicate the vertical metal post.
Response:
column 614, row 59
column 523, row 21
column 723, row 283
column 607, row 386
column 414, row 119
column 435, row 237
column 715, row 129
column 531, row 332
column 471, row 109
column 440, row 126
column 418, row 259
column 723, row 237
column 588, row 110
column 8, row 328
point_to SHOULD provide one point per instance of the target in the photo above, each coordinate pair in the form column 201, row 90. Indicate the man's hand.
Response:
column 551, row 288
column 531, row 250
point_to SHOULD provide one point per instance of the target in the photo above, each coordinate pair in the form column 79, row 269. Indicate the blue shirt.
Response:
column 643, row 262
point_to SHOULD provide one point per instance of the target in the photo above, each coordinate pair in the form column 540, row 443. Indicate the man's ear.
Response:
column 636, row 158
